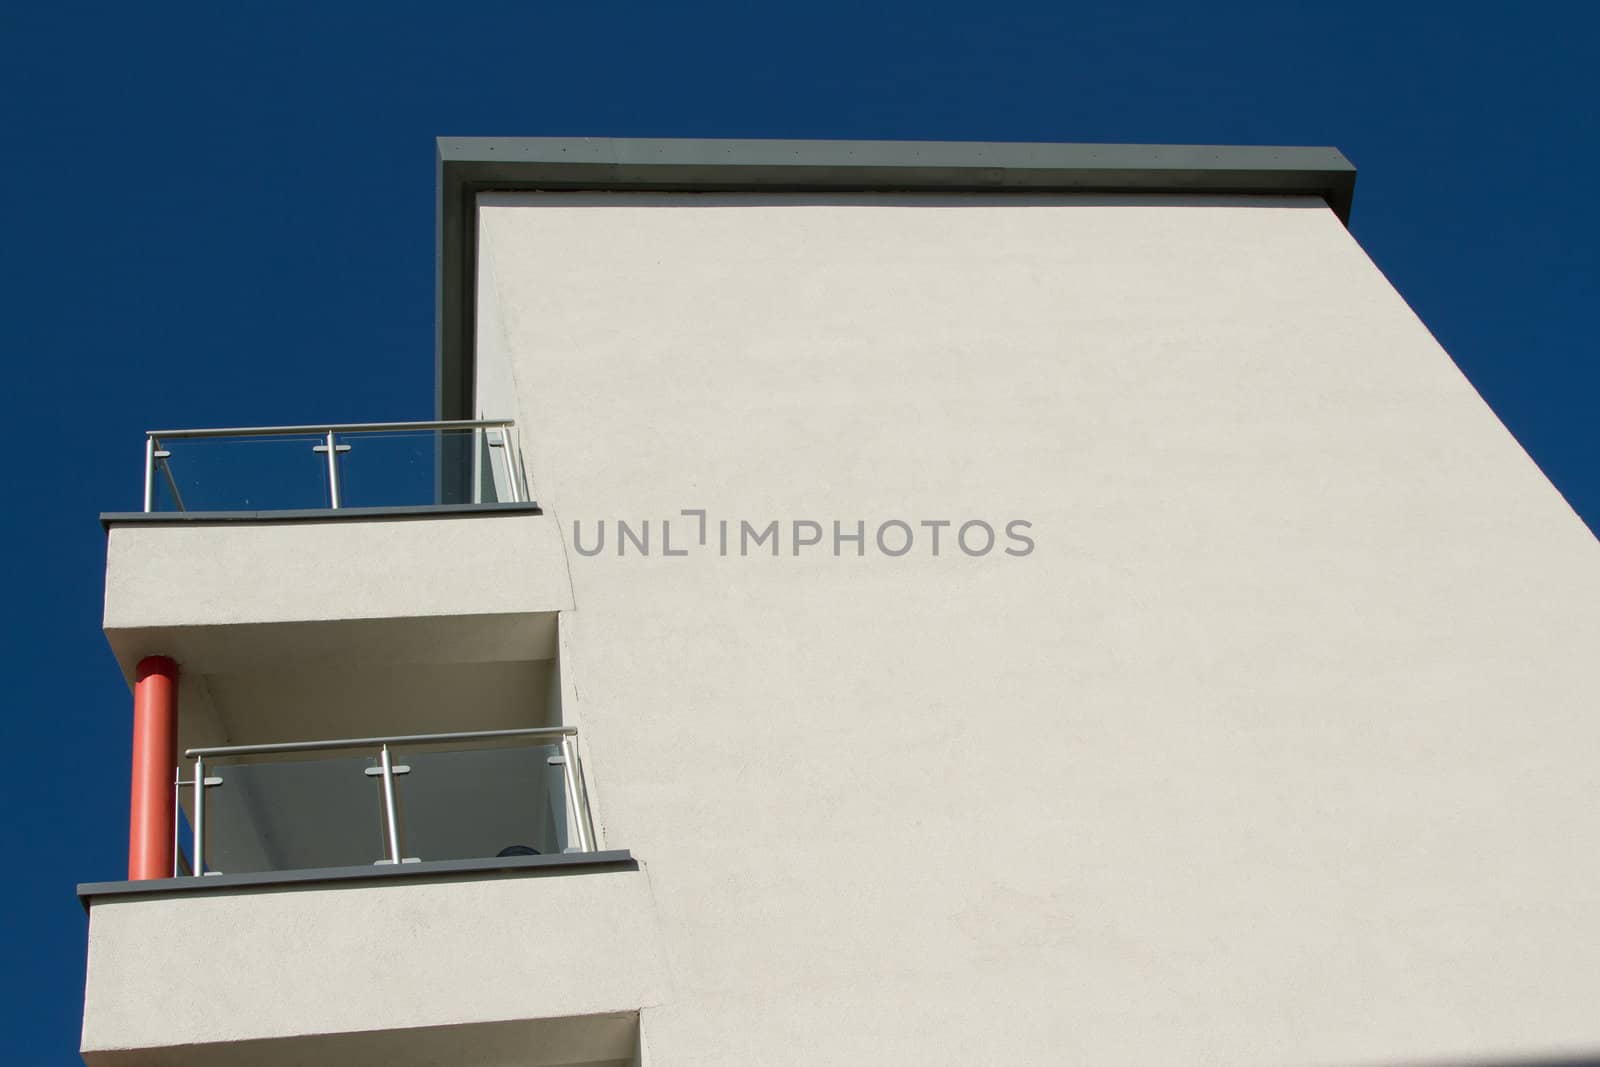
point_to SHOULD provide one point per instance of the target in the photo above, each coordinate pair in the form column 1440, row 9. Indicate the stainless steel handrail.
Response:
column 335, row 427
column 373, row 742
column 576, row 789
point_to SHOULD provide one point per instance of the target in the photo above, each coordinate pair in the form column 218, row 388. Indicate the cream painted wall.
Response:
column 1275, row 750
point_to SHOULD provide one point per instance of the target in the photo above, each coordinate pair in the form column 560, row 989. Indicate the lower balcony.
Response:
column 397, row 900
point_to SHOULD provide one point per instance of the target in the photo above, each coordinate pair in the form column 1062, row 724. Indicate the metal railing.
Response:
column 411, row 463
column 464, row 795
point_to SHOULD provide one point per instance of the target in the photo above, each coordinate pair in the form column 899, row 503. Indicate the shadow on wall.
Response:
column 1591, row 1059
column 955, row 200
column 609, row 1039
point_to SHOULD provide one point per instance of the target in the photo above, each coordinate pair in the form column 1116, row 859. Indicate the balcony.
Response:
column 281, row 547
column 424, row 923
column 404, row 899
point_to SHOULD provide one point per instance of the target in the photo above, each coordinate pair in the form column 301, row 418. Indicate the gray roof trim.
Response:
column 433, row 870
column 468, row 166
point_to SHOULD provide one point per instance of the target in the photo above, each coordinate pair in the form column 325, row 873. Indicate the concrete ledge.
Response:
column 285, row 973
column 166, row 574
column 435, row 870
column 108, row 519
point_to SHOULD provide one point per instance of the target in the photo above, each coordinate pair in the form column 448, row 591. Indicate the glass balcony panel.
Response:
column 468, row 466
column 399, row 467
column 268, row 472
column 276, row 814
column 184, row 845
column 389, row 469
column 481, row 802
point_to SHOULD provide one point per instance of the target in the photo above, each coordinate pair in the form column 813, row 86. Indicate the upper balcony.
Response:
column 258, row 545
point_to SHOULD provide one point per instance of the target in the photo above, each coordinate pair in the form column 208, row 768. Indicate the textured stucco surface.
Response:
column 231, row 573
column 253, row 966
column 1275, row 750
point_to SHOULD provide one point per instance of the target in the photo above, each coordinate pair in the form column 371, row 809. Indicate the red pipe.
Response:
column 151, row 812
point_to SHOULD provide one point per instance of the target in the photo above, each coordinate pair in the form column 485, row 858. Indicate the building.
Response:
column 884, row 603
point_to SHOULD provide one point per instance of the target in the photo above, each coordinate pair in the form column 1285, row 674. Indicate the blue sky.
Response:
column 223, row 214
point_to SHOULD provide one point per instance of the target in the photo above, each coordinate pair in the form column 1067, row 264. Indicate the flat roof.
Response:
column 472, row 165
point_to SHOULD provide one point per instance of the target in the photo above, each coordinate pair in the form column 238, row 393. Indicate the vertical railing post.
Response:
column 480, row 446
column 519, row 473
column 391, row 822
column 197, row 857
column 508, row 463
column 575, row 797
column 497, row 446
column 580, row 782
column 149, row 473
column 333, row 469
column 512, row 486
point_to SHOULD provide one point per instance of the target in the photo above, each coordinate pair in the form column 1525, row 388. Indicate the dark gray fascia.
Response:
column 433, row 870
column 472, row 165
column 108, row 519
